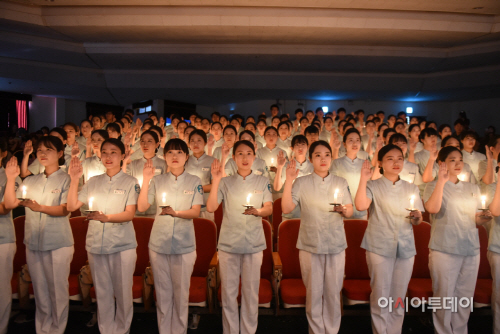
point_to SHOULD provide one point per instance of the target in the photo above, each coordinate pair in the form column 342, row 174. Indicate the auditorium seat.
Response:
column 20, row 256
column 76, row 213
column 420, row 285
column 79, row 226
column 356, row 289
column 218, row 214
column 142, row 227
column 277, row 218
column 483, row 291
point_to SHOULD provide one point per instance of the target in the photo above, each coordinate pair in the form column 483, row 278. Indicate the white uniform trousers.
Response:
column 452, row 276
column 172, row 275
column 7, row 252
column 389, row 277
column 113, row 276
column 494, row 259
column 207, row 215
column 323, row 275
column 49, row 271
column 231, row 267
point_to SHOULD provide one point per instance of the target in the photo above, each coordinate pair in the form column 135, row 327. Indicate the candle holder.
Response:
column 411, row 210
column 23, row 199
column 89, row 211
column 483, row 211
column 335, row 206
column 248, row 206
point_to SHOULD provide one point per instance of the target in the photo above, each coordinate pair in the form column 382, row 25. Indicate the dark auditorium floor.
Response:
column 145, row 323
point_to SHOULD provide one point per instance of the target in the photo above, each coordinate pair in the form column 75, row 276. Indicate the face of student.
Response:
column 48, row 156
column 312, row 137
column 96, row 122
column 469, row 142
column 235, row 123
column 244, row 157
column 175, row 158
column 300, row 149
column 304, row 123
column 223, row 121
column 432, row 125
column 197, row 123
column 389, row 135
column 71, row 132
column 205, row 125
column 216, row 130
column 56, row 134
column 180, row 129
column 391, row 120
column 271, row 137
column 328, row 124
column 126, row 124
column 110, row 117
column 250, row 120
column 392, row 162
column 251, row 127
column 275, row 122
column 445, row 133
column 192, row 119
column 229, row 137
column 283, row 131
column 453, row 142
column 321, row 159
column 112, row 133
column 414, row 133
column 187, row 132
column 174, row 123
column 96, row 140
column 246, row 136
column 299, row 115
column 197, row 144
column 320, row 114
column 148, row 145
column 495, row 149
column 400, row 128
column 86, row 128
column 111, row 156
column 352, row 142
column 454, row 163
column 274, row 111
column 310, row 116
column 413, row 120
column 370, row 128
column 402, row 145
column 215, row 118
column 430, row 141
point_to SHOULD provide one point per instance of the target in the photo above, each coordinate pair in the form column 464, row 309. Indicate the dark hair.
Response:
column 370, row 121
column 85, row 120
column 427, row 132
column 284, row 123
column 311, row 129
column 115, row 142
column 261, row 120
column 103, row 133
column 381, row 125
column 299, row 139
column 248, row 132
column 299, row 110
column 274, row 106
column 120, row 123
column 461, row 122
column 61, row 132
column 469, row 133
column 401, row 113
column 189, row 127
column 397, row 137
column 115, row 127
column 243, row 142
column 413, row 126
column 497, row 168
column 284, row 118
column 270, row 128
column 154, row 135
column 211, row 126
column 492, row 142
column 223, row 116
column 156, row 128
column 249, row 118
column 444, row 126
column 54, row 143
column 427, row 125
column 399, row 123
column 309, row 111
column 229, row 127
column 445, row 140
column 387, row 131
column 446, row 151
column 176, row 144
column 386, row 149
column 200, row 133
column 340, row 110
column 380, row 112
column 316, row 144
column 215, row 113
column 251, row 124
column 182, row 122
column 303, row 119
column 348, row 132
column 4, row 147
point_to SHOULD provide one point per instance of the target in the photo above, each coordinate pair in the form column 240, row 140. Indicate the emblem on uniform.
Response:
column 269, row 188
column 200, row 189
column 17, row 185
column 137, row 188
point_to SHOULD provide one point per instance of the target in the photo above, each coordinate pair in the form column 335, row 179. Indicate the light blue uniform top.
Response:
column 242, row 234
column 454, row 226
column 494, row 237
column 111, row 196
column 389, row 232
column 473, row 160
column 304, row 168
column 285, row 145
column 259, row 167
column 271, row 159
column 202, row 168
column 44, row 232
column 174, row 235
column 217, row 154
column 321, row 231
column 411, row 174
column 7, row 232
column 350, row 170
column 92, row 166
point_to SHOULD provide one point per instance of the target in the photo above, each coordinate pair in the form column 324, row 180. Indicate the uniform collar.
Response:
column 464, row 152
column 115, row 177
column 301, row 165
column 200, row 158
column 174, row 178
column 316, row 177
column 389, row 182
column 249, row 176
column 275, row 147
column 56, row 172
column 458, row 185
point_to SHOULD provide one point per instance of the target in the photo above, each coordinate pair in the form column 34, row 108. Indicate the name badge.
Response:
column 205, row 169
column 257, row 172
column 257, row 191
column 56, row 191
column 157, row 171
column 474, row 195
column 119, row 192
column 188, row 192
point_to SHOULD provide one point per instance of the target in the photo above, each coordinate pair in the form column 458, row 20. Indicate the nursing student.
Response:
column 48, row 237
column 224, row 152
column 454, row 243
column 321, row 241
column 172, row 245
column 388, row 239
column 349, row 166
column 241, row 240
column 492, row 191
column 111, row 244
column 150, row 143
column 269, row 154
column 259, row 166
column 7, row 242
column 199, row 164
column 93, row 165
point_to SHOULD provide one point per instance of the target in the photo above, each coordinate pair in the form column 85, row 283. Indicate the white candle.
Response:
column 461, row 177
column 272, row 161
column 248, row 199
column 412, row 202
column 335, row 196
column 483, row 202
column 411, row 181
column 164, row 198
column 90, row 203
column 24, row 191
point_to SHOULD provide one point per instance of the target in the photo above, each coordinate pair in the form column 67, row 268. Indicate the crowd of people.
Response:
column 327, row 168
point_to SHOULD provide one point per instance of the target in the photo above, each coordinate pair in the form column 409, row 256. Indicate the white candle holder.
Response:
column 334, row 207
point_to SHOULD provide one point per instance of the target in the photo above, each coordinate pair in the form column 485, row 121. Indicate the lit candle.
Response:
column 411, row 181
column 24, row 191
column 461, row 177
column 412, row 202
column 272, row 161
column 248, row 199
column 90, row 203
column 164, row 198
column 335, row 196
column 483, row 202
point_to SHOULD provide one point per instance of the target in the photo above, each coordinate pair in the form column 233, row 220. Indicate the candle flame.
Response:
column 483, row 198
column 248, row 198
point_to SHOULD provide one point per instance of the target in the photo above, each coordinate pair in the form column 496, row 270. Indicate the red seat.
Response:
column 142, row 227
column 277, row 218
column 357, row 279
column 20, row 256
column 76, row 213
column 483, row 291
column 79, row 226
column 266, row 271
column 292, row 288
column 420, row 285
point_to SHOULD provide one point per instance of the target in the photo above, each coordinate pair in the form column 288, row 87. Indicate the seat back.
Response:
column 422, row 234
column 205, row 232
column 79, row 226
column 288, row 234
column 142, row 227
column 218, row 214
column 426, row 217
column 277, row 219
column 484, row 265
column 20, row 256
column 266, row 270
column 76, row 213
column 355, row 256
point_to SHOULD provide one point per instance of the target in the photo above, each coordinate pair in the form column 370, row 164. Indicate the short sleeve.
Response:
column 82, row 194
column 19, row 188
column 429, row 189
column 152, row 191
column 221, row 191
column 296, row 192
column 418, row 200
column 133, row 194
column 347, row 193
column 34, row 168
column 129, row 169
column 490, row 192
column 64, row 192
column 369, row 192
column 198, row 193
column 483, row 164
column 418, row 178
column 334, row 168
column 229, row 167
column 268, row 195
column 477, row 191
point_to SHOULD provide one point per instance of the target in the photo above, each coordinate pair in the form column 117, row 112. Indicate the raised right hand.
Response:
column 291, row 171
column 281, row 159
column 12, row 169
column 148, row 172
column 217, row 170
column 28, row 148
column 443, row 174
column 75, row 168
column 366, row 171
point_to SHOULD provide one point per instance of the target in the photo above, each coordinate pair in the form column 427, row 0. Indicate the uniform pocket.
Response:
column 379, row 237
